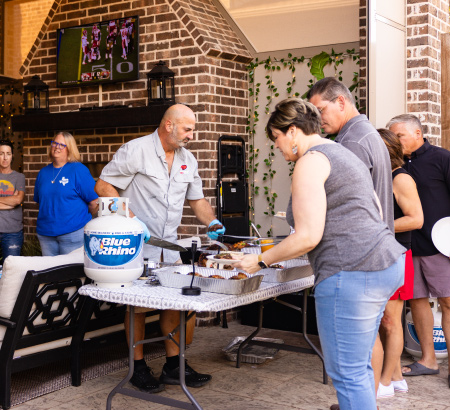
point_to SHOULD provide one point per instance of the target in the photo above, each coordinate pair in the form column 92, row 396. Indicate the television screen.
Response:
column 98, row 53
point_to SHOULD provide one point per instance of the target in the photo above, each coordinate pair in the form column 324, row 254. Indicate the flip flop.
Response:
column 418, row 369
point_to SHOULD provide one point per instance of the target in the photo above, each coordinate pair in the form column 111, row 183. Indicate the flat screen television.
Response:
column 98, row 53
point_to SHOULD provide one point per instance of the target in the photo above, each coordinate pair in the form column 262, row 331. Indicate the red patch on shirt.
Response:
column 183, row 167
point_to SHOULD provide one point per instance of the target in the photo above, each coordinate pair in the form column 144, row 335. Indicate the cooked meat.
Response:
column 196, row 274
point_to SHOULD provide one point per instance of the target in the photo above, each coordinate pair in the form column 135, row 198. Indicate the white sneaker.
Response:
column 385, row 391
column 400, row 386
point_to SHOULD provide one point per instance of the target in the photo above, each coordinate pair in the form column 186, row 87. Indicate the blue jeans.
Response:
column 11, row 244
column 62, row 244
column 349, row 307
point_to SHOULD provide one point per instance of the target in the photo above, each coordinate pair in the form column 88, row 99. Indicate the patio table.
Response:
column 158, row 297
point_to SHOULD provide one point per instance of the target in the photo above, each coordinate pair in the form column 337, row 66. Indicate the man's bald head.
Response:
column 177, row 127
column 176, row 113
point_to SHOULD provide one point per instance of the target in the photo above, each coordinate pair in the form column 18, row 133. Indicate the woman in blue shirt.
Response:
column 65, row 193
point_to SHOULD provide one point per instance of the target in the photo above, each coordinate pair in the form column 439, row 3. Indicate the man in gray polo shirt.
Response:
column 157, row 174
column 354, row 131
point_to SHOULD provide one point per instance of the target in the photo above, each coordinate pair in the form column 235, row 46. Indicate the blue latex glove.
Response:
column 144, row 227
column 214, row 233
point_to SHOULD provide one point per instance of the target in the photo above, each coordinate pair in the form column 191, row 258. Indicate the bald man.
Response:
column 157, row 174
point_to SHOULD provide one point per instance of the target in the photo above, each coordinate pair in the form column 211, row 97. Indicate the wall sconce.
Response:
column 35, row 96
column 161, row 85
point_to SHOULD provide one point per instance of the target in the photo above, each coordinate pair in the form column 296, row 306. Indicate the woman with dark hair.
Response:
column 12, row 192
column 356, row 260
column 65, row 193
column 408, row 216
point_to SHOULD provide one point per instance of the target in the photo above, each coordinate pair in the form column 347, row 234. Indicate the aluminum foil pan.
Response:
column 292, row 269
column 209, row 251
column 177, row 277
column 252, row 249
column 251, row 353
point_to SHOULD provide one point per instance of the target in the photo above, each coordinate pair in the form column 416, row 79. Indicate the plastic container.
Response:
column 412, row 345
column 113, row 245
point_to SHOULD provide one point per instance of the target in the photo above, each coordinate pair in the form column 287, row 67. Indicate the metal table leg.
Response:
column 312, row 350
column 119, row 389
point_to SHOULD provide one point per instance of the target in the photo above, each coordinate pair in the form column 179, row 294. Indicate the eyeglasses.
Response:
column 58, row 145
column 326, row 105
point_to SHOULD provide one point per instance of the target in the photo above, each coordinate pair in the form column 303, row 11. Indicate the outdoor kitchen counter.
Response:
column 159, row 297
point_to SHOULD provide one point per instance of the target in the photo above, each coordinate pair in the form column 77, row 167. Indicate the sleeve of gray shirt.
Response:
column 121, row 170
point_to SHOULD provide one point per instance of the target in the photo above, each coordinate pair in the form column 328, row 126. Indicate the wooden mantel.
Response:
column 90, row 119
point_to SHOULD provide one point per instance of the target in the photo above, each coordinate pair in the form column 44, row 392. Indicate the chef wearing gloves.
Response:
column 158, row 174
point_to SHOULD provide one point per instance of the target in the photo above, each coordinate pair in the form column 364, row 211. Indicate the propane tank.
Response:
column 412, row 345
column 113, row 245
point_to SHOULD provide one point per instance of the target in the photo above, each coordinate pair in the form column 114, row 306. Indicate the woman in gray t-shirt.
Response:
column 12, row 192
column 356, row 260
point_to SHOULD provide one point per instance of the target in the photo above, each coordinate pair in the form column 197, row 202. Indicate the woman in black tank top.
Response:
column 408, row 216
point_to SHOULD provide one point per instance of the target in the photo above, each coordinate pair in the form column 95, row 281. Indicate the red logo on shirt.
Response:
column 183, row 167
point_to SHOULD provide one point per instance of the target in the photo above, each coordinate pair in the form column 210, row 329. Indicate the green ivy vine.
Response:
column 316, row 66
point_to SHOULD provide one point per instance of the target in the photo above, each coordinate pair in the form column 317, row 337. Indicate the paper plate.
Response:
column 214, row 258
column 440, row 235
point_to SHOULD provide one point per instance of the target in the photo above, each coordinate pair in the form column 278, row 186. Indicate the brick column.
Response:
column 363, row 56
column 2, row 37
column 425, row 22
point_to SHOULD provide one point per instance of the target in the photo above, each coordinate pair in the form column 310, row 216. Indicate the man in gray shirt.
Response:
column 354, row 131
column 157, row 174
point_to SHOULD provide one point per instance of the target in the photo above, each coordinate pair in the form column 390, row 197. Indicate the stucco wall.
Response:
column 23, row 20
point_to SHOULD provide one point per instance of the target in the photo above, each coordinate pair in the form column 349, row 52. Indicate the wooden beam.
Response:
column 90, row 119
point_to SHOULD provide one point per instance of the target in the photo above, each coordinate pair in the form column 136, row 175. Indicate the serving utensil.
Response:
column 221, row 245
column 161, row 243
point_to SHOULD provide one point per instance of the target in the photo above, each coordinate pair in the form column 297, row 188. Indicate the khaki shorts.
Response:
column 431, row 276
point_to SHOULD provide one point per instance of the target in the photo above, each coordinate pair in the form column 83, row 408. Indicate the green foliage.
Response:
column 316, row 65
column 31, row 246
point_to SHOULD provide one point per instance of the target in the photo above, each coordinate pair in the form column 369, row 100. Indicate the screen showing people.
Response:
column 98, row 53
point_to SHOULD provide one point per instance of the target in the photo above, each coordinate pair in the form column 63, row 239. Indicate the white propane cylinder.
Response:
column 412, row 345
column 113, row 245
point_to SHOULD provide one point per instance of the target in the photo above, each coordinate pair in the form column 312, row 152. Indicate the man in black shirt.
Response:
column 430, row 167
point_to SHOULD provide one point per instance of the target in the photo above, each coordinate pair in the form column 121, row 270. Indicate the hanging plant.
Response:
column 316, row 66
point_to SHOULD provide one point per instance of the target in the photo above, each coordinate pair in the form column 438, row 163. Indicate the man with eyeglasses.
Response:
column 12, row 192
column 354, row 131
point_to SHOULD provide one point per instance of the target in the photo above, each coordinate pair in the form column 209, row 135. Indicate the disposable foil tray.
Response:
column 252, row 249
column 292, row 269
column 177, row 277
column 210, row 251
column 251, row 353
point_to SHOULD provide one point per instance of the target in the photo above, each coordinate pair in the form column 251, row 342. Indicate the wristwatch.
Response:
column 261, row 263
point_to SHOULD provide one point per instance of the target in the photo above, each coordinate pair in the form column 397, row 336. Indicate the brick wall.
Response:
column 210, row 76
column 363, row 55
column 2, row 46
column 26, row 18
column 425, row 22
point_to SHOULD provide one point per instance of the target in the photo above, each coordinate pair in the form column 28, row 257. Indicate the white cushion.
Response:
column 14, row 270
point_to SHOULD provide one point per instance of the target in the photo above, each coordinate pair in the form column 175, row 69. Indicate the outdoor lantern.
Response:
column 161, row 85
column 35, row 97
